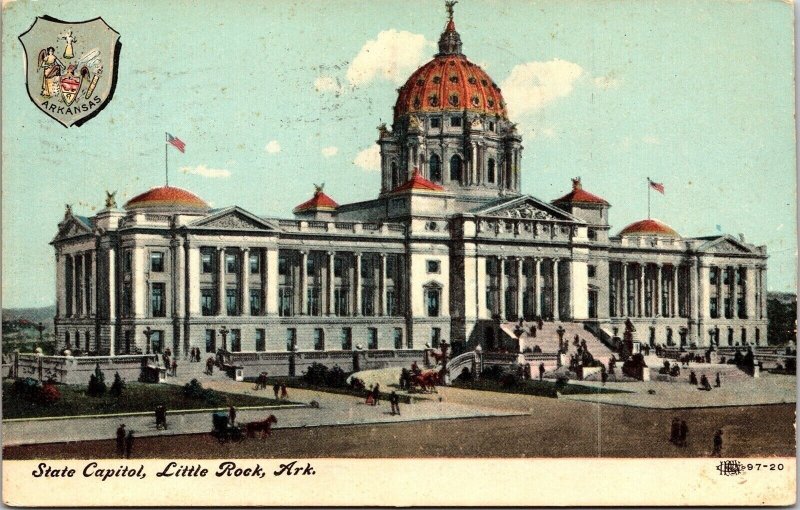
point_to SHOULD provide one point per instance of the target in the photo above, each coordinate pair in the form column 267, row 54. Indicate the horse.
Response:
column 264, row 426
column 426, row 380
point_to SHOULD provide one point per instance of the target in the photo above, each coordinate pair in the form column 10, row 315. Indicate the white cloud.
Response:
column 392, row 56
column 330, row 151
column 273, row 147
column 204, row 171
column 328, row 84
column 534, row 84
column 369, row 159
column 608, row 81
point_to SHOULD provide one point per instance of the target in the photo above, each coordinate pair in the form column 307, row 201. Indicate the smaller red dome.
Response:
column 649, row 227
column 319, row 202
column 417, row 183
column 579, row 196
column 167, row 198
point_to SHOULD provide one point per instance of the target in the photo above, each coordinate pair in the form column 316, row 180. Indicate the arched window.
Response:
column 490, row 175
column 66, row 340
column 395, row 177
column 435, row 168
column 455, row 168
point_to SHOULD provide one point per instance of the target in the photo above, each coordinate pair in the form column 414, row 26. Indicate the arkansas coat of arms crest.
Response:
column 71, row 67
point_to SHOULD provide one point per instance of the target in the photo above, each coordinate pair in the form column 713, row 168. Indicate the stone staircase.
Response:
column 727, row 373
column 547, row 338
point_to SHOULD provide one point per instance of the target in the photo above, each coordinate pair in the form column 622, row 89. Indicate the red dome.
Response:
column 319, row 202
column 450, row 82
column 168, row 198
column 579, row 196
column 649, row 227
column 418, row 183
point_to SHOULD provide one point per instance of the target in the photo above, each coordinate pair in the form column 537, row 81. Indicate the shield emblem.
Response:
column 70, row 67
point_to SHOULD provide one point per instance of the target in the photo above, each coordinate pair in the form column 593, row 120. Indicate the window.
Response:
column 436, row 336
column 207, row 301
column 283, row 265
column 231, row 302
column 395, row 175
column 391, row 266
column 730, row 336
column 157, row 261
column 157, row 307
column 432, row 298
column 740, row 311
column 490, row 171
column 435, row 168
column 311, row 266
column 455, row 121
column 346, row 337
column 436, row 123
column 285, row 304
column 207, row 262
column 88, row 337
column 157, row 342
column 255, row 302
column 367, row 269
column 434, row 266
column 391, row 302
column 127, row 300
column 741, row 275
column 338, row 267
column 127, row 261
column 713, row 276
column 231, row 263
column 728, row 308
column 726, row 278
column 312, row 301
column 714, row 308
column 491, row 126
column 398, row 338
column 367, row 301
column 372, row 338
column 592, row 270
column 455, row 168
column 319, row 339
column 341, row 301
column 291, row 339
column 758, row 336
column 744, row 336
column 592, row 233
column 66, row 338
column 255, row 263
column 236, row 340
column 261, row 343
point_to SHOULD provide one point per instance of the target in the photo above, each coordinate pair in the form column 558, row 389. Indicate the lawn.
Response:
column 301, row 383
column 531, row 387
column 136, row 397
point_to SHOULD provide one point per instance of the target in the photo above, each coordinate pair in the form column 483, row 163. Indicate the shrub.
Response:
column 493, row 372
column 194, row 390
column 561, row 382
column 336, row 378
column 49, row 394
column 317, row 373
column 97, row 387
column 117, row 386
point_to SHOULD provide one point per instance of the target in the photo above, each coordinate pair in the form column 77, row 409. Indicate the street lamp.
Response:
column 148, row 333
column 40, row 328
column 224, row 332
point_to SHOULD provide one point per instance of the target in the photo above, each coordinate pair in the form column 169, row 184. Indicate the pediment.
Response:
column 71, row 227
column 233, row 218
column 525, row 207
column 725, row 244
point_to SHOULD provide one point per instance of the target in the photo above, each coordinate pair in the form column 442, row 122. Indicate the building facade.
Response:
column 448, row 250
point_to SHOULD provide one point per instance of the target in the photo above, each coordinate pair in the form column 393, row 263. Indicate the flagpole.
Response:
column 648, row 198
column 166, row 160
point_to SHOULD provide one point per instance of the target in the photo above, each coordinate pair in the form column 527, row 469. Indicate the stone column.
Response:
column 303, row 297
column 640, row 295
column 93, row 284
column 222, row 308
column 112, row 298
column 502, row 286
column 520, row 288
column 382, row 286
column 694, row 291
column 624, row 293
column 473, row 171
column 537, row 287
column 747, row 291
column 657, row 296
column 245, row 281
column 763, row 291
column 674, row 292
column 556, row 308
column 357, row 286
column 330, row 282
column 720, row 299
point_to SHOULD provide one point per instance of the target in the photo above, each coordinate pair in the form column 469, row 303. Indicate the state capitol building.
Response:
column 449, row 249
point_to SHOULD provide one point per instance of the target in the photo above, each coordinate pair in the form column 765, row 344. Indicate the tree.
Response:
column 782, row 315
column 117, row 386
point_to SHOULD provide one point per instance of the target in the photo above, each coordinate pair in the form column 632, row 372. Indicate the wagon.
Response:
column 223, row 431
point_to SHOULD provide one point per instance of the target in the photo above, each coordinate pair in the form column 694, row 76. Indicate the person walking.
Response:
column 129, row 444
column 232, row 415
column 675, row 432
column 394, row 399
column 174, row 367
column 376, row 394
column 541, row 371
column 717, row 451
column 284, row 394
column 717, row 381
column 692, row 378
column 121, row 440
column 276, row 389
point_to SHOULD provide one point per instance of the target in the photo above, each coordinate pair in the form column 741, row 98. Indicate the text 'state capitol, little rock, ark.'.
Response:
column 448, row 250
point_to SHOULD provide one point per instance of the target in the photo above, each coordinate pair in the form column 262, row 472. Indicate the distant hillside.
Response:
column 36, row 315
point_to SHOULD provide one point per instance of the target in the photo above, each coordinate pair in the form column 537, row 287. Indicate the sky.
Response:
column 271, row 97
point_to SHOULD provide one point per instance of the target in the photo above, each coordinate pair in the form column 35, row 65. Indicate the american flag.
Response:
column 658, row 186
column 178, row 143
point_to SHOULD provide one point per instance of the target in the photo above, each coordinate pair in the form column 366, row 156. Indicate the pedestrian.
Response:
column 717, row 381
column 121, row 440
column 232, row 415
column 717, row 452
column 394, row 399
column 603, row 375
column 376, row 394
column 692, row 378
column 129, row 444
column 284, row 394
column 704, row 383
column 210, row 366
column 174, row 367
column 541, row 371
column 683, row 437
column 675, row 432
column 276, row 389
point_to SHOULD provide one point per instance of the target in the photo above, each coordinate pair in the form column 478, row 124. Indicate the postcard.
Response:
column 399, row 253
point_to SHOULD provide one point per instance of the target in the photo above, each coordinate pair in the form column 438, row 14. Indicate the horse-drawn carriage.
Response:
column 224, row 431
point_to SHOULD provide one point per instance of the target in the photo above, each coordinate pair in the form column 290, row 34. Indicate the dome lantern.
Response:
column 450, row 40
